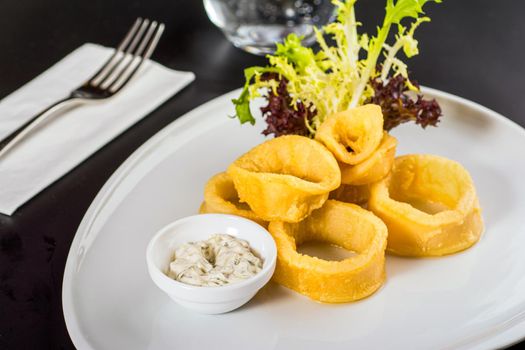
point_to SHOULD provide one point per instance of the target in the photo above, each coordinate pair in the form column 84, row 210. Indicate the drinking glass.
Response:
column 257, row 25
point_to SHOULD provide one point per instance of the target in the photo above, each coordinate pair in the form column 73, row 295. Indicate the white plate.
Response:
column 474, row 300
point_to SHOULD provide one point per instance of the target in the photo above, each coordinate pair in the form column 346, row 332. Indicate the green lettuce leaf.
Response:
column 338, row 76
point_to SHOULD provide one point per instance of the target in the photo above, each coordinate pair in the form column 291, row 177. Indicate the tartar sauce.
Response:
column 221, row 259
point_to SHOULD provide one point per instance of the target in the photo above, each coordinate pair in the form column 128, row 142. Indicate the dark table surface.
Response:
column 473, row 49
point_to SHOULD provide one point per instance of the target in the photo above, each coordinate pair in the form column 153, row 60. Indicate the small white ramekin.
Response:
column 210, row 300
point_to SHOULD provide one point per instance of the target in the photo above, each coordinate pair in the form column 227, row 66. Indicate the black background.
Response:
column 473, row 49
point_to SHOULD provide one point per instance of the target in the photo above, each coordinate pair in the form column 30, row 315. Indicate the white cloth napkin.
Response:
column 71, row 137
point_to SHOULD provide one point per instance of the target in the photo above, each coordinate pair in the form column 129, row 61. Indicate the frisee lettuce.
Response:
column 335, row 78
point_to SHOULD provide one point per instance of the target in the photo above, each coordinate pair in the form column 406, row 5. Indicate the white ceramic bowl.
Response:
column 210, row 300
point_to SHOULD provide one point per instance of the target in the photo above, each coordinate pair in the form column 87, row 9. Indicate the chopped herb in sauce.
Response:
column 221, row 259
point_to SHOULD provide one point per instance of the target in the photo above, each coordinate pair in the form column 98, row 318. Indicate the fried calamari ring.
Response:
column 354, row 134
column 285, row 178
column 221, row 197
column 373, row 168
column 343, row 224
column 352, row 194
column 429, row 205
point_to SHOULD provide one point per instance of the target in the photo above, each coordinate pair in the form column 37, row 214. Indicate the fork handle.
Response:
column 19, row 134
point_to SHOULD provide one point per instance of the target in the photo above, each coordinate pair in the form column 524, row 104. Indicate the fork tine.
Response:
column 146, row 38
column 154, row 42
column 130, row 34
column 136, row 39
column 123, row 64
column 100, row 80
column 149, row 45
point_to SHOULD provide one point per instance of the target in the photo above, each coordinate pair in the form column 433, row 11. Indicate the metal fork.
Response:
column 136, row 47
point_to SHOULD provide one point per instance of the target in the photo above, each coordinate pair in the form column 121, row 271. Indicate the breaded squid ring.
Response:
column 343, row 224
column 352, row 135
column 221, row 197
column 285, row 178
column 352, row 194
column 373, row 168
column 449, row 219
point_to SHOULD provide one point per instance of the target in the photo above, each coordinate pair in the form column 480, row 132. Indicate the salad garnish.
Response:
column 302, row 87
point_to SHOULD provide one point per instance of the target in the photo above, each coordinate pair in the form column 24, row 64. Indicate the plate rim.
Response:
column 72, row 324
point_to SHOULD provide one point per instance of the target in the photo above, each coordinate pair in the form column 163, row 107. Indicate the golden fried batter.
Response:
column 285, row 178
column 429, row 205
column 346, row 225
